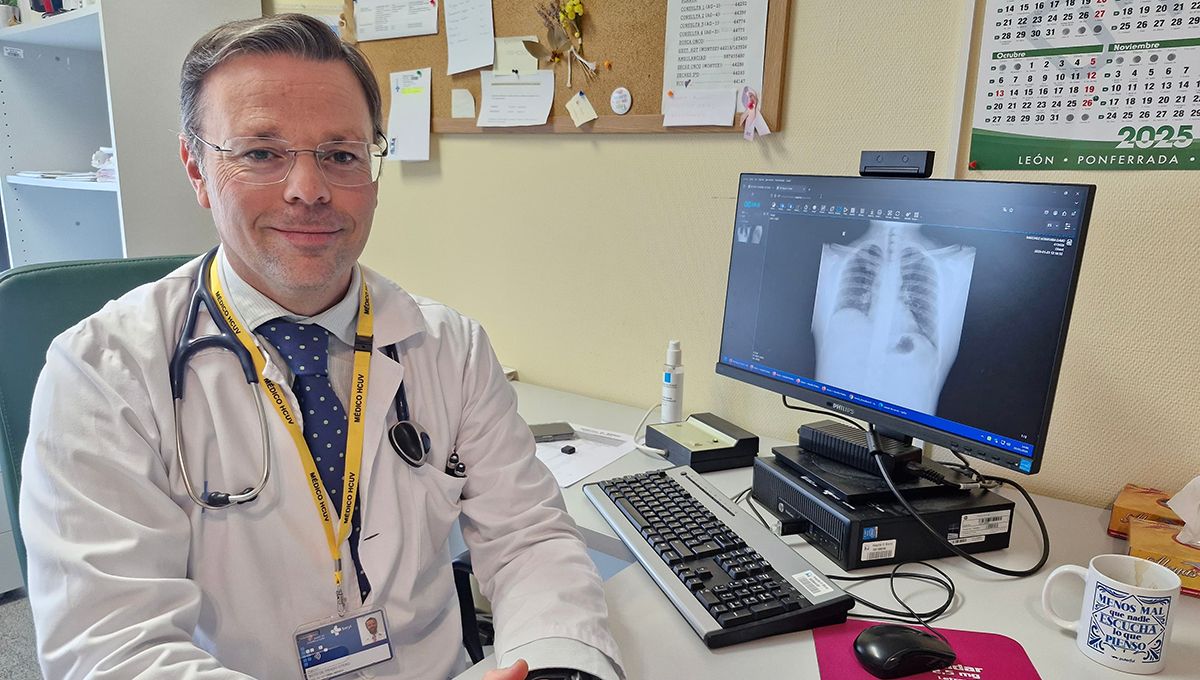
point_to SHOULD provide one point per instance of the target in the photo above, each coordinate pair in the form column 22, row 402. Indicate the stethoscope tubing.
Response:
column 408, row 438
column 184, row 349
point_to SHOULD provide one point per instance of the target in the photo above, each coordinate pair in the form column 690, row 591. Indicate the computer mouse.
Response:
column 893, row 651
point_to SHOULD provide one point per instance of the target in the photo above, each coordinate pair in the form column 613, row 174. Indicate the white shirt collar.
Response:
column 254, row 308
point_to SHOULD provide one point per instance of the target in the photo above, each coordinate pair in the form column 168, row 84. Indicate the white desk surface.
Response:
column 657, row 644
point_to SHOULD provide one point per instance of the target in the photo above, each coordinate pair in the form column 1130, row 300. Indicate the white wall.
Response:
column 584, row 255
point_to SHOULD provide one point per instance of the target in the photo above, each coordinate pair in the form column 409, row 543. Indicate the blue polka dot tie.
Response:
column 305, row 348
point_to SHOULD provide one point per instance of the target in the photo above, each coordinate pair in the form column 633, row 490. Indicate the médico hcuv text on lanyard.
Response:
column 364, row 339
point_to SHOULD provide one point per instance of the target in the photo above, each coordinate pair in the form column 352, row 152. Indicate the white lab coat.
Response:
column 128, row 577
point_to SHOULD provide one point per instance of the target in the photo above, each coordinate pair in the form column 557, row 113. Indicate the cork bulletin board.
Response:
column 626, row 33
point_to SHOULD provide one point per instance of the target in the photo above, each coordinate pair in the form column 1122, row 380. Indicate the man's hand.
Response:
column 517, row 671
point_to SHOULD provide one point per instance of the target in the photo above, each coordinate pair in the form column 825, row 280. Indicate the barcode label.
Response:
column 964, row 541
column 879, row 550
column 984, row 523
column 812, row 583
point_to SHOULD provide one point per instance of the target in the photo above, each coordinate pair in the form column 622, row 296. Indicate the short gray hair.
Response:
column 298, row 35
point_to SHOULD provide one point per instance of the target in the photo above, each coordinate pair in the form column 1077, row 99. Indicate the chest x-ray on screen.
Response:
column 888, row 314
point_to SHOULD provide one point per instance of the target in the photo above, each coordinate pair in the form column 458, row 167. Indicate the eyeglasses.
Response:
column 262, row 160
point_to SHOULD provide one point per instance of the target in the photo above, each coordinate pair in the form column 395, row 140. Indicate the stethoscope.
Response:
column 407, row 437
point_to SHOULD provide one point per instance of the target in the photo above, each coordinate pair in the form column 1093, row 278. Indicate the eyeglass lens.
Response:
column 259, row 160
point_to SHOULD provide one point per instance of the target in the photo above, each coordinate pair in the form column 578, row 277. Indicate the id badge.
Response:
column 340, row 645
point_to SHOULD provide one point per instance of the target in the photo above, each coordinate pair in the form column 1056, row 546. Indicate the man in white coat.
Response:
column 130, row 575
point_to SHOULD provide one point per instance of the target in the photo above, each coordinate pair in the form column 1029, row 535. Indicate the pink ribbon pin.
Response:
column 752, row 123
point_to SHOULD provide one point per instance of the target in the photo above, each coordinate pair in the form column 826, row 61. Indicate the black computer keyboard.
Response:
column 731, row 578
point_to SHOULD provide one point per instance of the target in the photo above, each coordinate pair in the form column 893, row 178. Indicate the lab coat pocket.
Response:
column 439, row 497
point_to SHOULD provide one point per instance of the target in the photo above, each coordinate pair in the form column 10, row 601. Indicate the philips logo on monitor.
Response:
column 843, row 409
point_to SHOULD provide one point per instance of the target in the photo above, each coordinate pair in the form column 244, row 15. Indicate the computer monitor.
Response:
column 935, row 309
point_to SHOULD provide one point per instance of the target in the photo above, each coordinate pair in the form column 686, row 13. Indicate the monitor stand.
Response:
column 853, row 486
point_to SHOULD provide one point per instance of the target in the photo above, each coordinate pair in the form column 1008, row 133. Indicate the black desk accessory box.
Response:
column 854, row 486
column 879, row 533
column 705, row 442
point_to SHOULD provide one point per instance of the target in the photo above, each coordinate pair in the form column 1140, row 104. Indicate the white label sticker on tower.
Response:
column 14, row 52
column 983, row 523
column 879, row 550
column 965, row 541
column 812, row 583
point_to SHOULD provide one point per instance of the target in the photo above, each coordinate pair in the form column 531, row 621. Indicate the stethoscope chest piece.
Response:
column 410, row 441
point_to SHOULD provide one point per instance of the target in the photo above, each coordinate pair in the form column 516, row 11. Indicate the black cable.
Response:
column 908, row 616
column 745, row 496
column 887, row 478
column 822, row 412
column 892, row 584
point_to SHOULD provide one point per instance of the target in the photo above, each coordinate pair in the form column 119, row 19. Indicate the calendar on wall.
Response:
column 1088, row 84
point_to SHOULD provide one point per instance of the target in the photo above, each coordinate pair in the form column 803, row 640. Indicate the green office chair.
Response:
column 37, row 302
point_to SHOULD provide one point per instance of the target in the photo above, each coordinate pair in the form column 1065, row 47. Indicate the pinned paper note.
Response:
column 408, row 120
column 382, row 19
column 715, row 45
column 470, row 40
column 687, row 106
column 512, row 57
column 580, row 109
column 462, row 103
column 510, row 101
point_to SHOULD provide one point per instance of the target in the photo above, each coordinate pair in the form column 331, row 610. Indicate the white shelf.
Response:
column 62, row 183
column 82, row 79
column 78, row 29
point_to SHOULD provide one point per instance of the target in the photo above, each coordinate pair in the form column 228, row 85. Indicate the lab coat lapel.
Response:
column 397, row 318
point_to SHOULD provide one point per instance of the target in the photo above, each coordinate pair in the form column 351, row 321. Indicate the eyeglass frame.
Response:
column 378, row 151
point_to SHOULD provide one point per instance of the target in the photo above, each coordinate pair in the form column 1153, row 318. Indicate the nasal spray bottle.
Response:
column 672, row 384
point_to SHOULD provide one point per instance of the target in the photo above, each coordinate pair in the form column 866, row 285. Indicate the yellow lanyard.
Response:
column 354, row 434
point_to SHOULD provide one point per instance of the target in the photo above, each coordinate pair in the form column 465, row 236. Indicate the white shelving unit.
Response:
column 61, row 183
column 104, row 75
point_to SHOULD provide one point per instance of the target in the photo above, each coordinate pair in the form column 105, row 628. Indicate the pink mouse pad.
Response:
column 981, row 656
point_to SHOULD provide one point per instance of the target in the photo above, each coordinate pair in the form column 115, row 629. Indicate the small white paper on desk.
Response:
column 511, row 101
column 408, row 120
column 593, row 450
column 383, row 19
column 470, row 39
column 512, row 57
column 700, row 107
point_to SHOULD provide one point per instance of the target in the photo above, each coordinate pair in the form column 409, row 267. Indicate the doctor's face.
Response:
column 297, row 240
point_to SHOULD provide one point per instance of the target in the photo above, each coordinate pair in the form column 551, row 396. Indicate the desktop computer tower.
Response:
column 877, row 533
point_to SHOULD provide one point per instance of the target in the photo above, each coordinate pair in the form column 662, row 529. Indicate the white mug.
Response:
column 1128, row 603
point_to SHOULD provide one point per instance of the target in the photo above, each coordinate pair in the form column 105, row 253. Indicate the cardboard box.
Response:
column 1143, row 503
column 1159, row 543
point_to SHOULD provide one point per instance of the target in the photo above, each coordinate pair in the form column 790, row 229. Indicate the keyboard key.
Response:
column 632, row 513
column 735, row 618
column 681, row 548
column 766, row 609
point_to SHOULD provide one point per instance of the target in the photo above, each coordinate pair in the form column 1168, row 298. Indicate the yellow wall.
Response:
column 584, row 255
